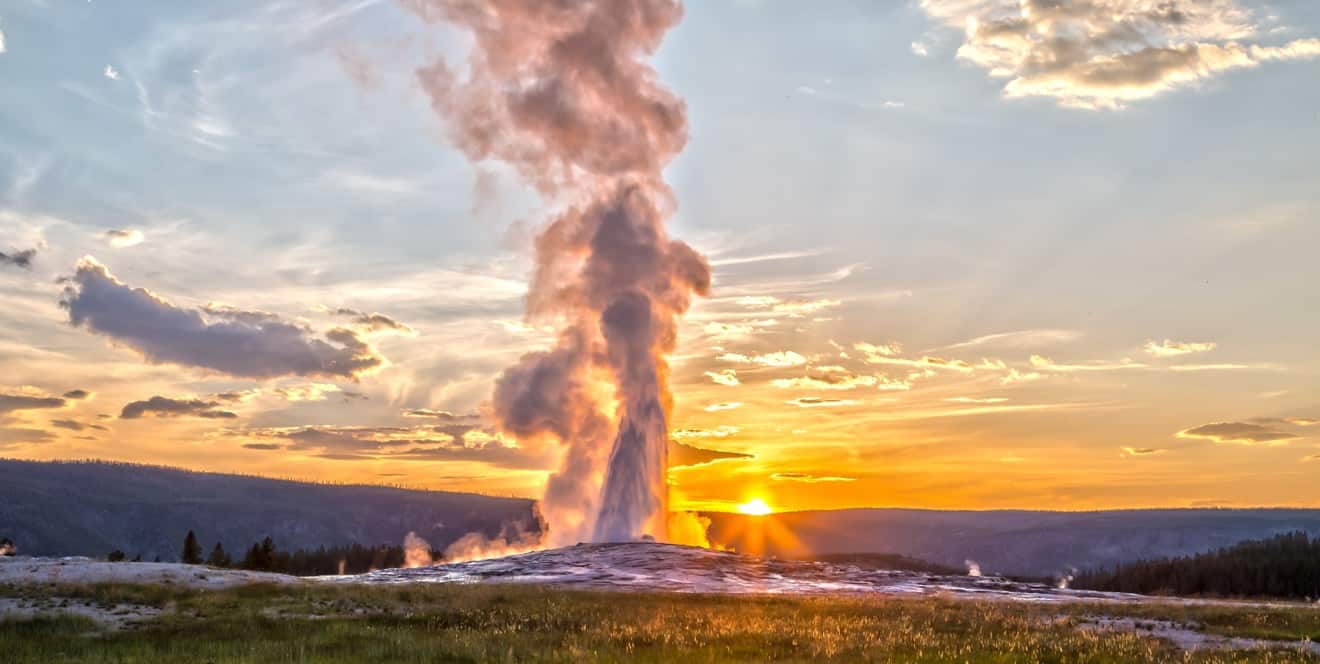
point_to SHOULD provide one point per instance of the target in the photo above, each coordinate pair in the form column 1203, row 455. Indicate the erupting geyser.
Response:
column 561, row 91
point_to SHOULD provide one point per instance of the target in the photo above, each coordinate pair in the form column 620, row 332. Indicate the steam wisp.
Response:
column 563, row 94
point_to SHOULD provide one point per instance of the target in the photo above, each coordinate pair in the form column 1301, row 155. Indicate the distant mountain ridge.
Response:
column 91, row 508
column 1016, row 542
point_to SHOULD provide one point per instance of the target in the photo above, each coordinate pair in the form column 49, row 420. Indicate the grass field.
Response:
column 451, row 623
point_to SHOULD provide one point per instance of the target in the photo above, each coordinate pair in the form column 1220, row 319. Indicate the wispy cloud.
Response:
column 1046, row 364
column 722, row 406
column 782, row 358
column 819, row 402
column 1170, row 348
column 789, row 308
column 721, row 431
column 1141, row 451
column 1243, row 433
column 839, row 380
column 1017, row 339
column 809, row 478
column 343, row 443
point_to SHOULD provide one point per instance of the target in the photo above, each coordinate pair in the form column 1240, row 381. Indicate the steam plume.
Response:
column 416, row 552
column 561, row 91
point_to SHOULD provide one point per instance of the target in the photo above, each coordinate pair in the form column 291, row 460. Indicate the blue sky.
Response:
column 909, row 180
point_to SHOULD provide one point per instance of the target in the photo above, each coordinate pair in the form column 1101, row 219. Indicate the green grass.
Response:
column 448, row 623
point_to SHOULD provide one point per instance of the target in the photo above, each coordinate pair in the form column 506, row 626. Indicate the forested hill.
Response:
column 1284, row 566
column 93, row 508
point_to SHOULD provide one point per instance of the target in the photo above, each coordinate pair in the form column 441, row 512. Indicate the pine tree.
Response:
column 252, row 559
column 219, row 557
column 192, row 551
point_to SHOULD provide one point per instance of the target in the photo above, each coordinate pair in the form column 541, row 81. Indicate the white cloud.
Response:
column 1170, row 348
column 721, row 431
column 111, row 73
column 722, row 406
column 727, row 377
column 1046, row 364
column 782, row 358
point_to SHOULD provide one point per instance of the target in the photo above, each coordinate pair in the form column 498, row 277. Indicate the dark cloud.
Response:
column 235, row 396
column 426, row 443
column 21, row 259
column 443, row 416
column 373, row 321
column 1285, row 421
column 10, row 436
column 77, row 395
column 236, row 342
column 124, row 237
column 12, row 402
column 167, row 407
column 75, row 425
column 247, row 316
column 1237, row 432
column 681, row 454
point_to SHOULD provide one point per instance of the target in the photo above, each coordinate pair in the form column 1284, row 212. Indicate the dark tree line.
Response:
column 1283, row 566
column 264, row 556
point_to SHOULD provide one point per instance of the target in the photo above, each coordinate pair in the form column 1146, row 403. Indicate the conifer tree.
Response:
column 192, row 551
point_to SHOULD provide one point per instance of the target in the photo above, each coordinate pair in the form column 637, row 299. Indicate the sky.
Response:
column 966, row 254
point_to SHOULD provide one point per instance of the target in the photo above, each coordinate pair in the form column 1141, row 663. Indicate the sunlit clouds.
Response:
column 722, row 406
column 776, row 359
column 1110, row 53
column 809, row 478
column 726, row 377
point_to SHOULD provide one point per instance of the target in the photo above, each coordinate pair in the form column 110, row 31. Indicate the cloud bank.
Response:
column 235, row 342
column 159, row 406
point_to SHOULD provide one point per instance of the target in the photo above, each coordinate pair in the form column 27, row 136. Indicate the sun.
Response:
column 755, row 507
